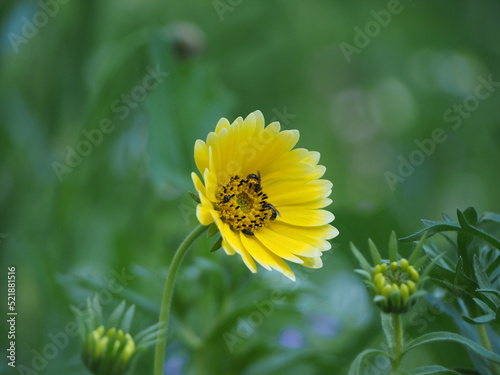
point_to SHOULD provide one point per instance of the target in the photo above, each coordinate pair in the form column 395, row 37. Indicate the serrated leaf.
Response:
column 355, row 368
column 433, row 369
column 217, row 245
column 448, row 336
column 212, row 230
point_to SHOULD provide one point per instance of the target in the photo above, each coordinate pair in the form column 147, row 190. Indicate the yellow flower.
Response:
column 265, row 198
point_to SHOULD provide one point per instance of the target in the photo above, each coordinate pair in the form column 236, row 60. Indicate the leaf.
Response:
column 217, row 245
column 490, row 216
column 212, row 230
column 388, row 329
column 448, row 336
column 377, row 259
column 362, row 260
column 393, row 247
column 195, row 197
column 127, row 319
column 436, row 227
column 434, row 369
column 355, row 368
column 418, row 249
column 469, row 215
column 116, row 315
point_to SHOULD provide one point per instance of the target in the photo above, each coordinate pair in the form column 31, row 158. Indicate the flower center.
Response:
column 243, row 205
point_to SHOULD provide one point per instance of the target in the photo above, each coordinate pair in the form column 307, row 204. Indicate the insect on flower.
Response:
column 266, row 198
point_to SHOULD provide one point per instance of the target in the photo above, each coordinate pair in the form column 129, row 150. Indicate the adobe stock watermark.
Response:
column 30, row 28
column 249, row 323
column 60, row 340
column 455, row 116
column 363, row 37
column 255, row 145
column 224, row 6
column 122, row 107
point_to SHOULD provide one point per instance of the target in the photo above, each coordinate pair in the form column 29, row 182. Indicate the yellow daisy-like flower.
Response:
column 265, row 198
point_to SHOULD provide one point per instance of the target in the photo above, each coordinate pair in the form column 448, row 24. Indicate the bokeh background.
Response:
column 124, row 206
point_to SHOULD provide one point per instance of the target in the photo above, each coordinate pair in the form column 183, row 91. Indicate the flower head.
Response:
column 265, row 198
column 394, row 283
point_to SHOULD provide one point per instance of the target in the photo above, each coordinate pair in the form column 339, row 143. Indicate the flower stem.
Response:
column 167, row 297
column 485, row 340
column 398, row 341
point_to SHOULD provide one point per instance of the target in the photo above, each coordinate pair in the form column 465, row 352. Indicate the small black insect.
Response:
column 248, row 232
column 227, row 198
column 269, row 206
column 255, row 177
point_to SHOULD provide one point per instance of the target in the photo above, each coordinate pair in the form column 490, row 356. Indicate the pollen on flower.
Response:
column 243, row 205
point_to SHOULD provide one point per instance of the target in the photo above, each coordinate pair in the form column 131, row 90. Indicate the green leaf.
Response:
column 437, row 227
column 116, row 315
column 418, row 249
column 127, row 319
column 362, row 260
column 448, row 336
column 195, row 197
column 388, row 328
column 355, row 368
column 481, row 276
column 393, row 247
column 212, row 230
column 434, row 369
column 217, row 245
column 490, row 216
column 377, row 259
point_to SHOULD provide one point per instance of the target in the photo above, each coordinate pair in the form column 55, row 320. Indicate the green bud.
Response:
column 411, row 286
column 394, row 266
column 386, row 290
column 414, row 274
column 405, row 292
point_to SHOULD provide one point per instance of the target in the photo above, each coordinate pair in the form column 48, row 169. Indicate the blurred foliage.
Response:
column 124, row 206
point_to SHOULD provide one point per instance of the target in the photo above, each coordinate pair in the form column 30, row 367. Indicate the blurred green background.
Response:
column 124, row 207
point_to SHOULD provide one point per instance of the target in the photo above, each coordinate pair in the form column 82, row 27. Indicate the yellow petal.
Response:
column 227, row 248
column 314, row 236
column 234, row 241
column 198, row 185
column 286, row 193
column 222, row 124
column 314, row 262
column 285, row 247
column 201, row 155
column 257, row 251
column 304, row 217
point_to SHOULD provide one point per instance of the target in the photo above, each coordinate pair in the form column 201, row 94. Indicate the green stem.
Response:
column 398, row 341
column 485, row 340
column 167, row 297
